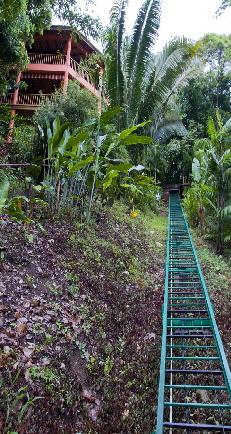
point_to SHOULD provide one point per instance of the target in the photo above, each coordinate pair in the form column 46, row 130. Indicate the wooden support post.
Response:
column 13, row 112
column 68, row 56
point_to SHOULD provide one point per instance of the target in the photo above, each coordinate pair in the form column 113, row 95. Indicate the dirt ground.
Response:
column 81, row 324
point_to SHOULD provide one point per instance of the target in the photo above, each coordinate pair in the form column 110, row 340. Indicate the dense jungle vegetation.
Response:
column 83, row 227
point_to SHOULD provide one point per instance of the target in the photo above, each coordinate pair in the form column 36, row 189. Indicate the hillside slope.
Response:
column 81, row 324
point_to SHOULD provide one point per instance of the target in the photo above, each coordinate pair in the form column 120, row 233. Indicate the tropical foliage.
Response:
column 224, row 4
column 136, row 79
column 81, row 167
column 210, row 192
column 211, row 88
column 76, row 106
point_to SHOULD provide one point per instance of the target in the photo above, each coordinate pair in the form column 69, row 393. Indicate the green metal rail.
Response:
column 195, row 379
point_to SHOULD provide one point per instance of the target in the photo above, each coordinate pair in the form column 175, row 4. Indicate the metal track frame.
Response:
column 195, row 379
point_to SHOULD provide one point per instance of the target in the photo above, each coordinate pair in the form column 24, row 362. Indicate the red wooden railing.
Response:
column 25, row 99
column 53, row 59
column 56, row 59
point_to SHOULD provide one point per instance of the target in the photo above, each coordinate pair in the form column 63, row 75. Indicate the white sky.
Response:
column 188, row 18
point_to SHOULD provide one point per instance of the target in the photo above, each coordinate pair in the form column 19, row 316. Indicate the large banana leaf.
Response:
column 4, row 187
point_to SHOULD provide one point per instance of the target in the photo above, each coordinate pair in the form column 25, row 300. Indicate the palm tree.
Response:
column 136, row 79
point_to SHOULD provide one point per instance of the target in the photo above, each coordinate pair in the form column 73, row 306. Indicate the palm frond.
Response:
column 226, row 157
column 227, row 126
column 113, row 47
column 144, row 34
column 226, row 211
column 142, row 40
column 174, row 128
column 211, row 129
column 173, row 69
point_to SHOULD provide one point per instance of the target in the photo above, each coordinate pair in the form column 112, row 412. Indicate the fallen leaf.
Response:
column 45, row 361
column 27, row 351
column 93, row 412
column 22, row 319
column 125, row 413
column 149, row 336
column 21, row 327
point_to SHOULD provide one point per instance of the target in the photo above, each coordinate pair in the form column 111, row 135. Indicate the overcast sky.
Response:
column 179, row 17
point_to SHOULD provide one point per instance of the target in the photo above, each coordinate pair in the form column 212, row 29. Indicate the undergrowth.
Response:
column 82, row 324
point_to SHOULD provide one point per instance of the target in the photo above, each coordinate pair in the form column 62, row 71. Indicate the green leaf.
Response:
column 226, row 211
column 56, row 125
column 63, row 141
column 123, row 167
column 42, row 229
column 134, row 139
column 80, row 165
column 37, row 188
column 31, row 238
column 196, row 172
column 4, row 187
column 127, row 132
column 16, row 213
column 108, row 178
column 110, row 147
column 73, row 196
column 74, row 141
column 47, row 185
column 17, row 199
column 38, row 201
column 106, row 116
column 59, row 138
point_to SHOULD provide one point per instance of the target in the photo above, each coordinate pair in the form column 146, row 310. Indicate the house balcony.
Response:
column 55, row 59
column 47, row 67
column 25, row 101
column 57, row 64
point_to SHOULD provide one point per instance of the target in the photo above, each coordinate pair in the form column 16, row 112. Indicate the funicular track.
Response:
column 195, row 380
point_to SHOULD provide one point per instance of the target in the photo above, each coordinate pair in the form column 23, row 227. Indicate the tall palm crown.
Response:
column 138, row 80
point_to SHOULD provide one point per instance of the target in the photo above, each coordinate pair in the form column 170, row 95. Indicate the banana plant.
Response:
column 211, row 169
column 107, row 143
column 142, row 189
column 81, row 162
column 62, row 146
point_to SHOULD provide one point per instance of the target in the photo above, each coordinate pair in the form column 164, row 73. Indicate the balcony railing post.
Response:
column 24, row 99
column 81, row 71
column 53, row 59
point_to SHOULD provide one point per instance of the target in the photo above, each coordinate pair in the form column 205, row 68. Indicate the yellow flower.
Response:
column 134, row 214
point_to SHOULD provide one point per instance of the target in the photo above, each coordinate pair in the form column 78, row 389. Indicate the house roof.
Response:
column 55, row 39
